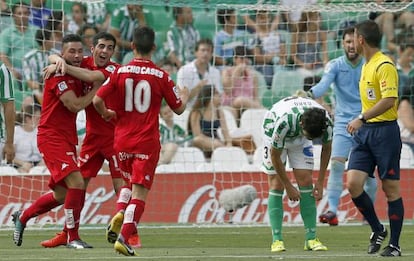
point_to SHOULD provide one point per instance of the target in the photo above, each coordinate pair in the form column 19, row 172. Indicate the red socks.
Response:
column 42, row 205
column 132, row 216
column 74, row 201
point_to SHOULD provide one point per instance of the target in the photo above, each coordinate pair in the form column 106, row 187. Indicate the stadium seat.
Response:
column 229, row 159
column 182, row 119
column 204, row 22
column 251, row 121
column 287, row 82
column 158, row 17
column 39, row 170
column 230, row 119
column 176, row 167
column 406, row 161
column 186, row 155
column 8, row 171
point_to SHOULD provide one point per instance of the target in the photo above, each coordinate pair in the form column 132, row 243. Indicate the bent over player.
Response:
column 288, row 130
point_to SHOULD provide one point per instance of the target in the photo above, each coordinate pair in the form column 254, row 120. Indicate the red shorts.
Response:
column 139, row 168
column 61, row 160
column 94, row 151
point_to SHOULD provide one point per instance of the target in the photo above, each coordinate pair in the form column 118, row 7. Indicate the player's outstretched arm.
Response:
column 77, row 72
column 76, row 104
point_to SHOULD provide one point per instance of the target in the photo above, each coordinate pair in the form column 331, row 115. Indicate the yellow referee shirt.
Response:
column 379, row 79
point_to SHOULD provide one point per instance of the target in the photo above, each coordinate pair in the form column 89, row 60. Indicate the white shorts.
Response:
column 299, row 152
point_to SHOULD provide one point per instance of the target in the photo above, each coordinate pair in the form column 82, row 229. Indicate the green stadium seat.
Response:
column 158, row 18
column 287, row 82
column 204, row 22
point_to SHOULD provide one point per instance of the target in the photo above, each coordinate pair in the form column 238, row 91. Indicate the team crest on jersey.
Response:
column 62, row 86
column 110, row 68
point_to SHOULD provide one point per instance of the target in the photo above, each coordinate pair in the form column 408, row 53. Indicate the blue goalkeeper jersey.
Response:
column 345, row 77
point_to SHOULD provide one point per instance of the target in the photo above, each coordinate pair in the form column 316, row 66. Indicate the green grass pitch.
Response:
column 229, row 242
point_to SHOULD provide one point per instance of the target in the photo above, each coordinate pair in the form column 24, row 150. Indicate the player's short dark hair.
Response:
column 349, row 30
column 371, row 32
column 144, row 37
column 105, row 36
column 314, row 122
column 70, row 38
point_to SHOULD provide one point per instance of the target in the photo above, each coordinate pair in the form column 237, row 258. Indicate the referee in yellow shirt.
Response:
column 377, row 139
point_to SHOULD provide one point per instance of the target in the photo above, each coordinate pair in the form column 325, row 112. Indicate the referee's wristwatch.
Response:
column 361, row 118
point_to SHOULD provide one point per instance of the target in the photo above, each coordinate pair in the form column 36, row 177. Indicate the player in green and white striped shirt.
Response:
column 8, row 116
column 35, row 60
column 289, row 128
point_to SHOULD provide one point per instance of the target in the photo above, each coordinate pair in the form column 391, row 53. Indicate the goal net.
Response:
column 286, row 46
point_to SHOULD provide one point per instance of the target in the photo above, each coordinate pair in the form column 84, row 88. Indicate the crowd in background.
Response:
column 236, row 66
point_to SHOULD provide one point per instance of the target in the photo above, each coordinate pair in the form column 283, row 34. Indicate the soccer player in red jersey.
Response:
column 137, row 90
column 57, row 140
column 98, row 143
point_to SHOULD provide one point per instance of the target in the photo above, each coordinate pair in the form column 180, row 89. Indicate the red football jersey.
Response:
column 94, row 121
column 56, row 121
column 137, row 90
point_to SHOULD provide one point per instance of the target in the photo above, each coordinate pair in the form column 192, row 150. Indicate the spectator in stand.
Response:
column 123, row 22
column 8, row 116
column 404, row 64
column 98, row 14
column 56, row 25
column 406, row 114
column 39, row 13
column 77, row 19
column 198, row 73
column 228, row 37
column 25, row 142
column 389, row 22
column 138, row 145
column 270, row 49
column 182, row 37
column 171, row 134
column 87, row 32
column 35, row 61
column 309, row 47
column 240, row 84
column 293, row 17
column 17, row 40
column 206, row 117
column 57, row 141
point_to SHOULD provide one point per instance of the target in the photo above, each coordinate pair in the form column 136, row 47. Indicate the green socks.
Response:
column 308, row 211
column 275, row 210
